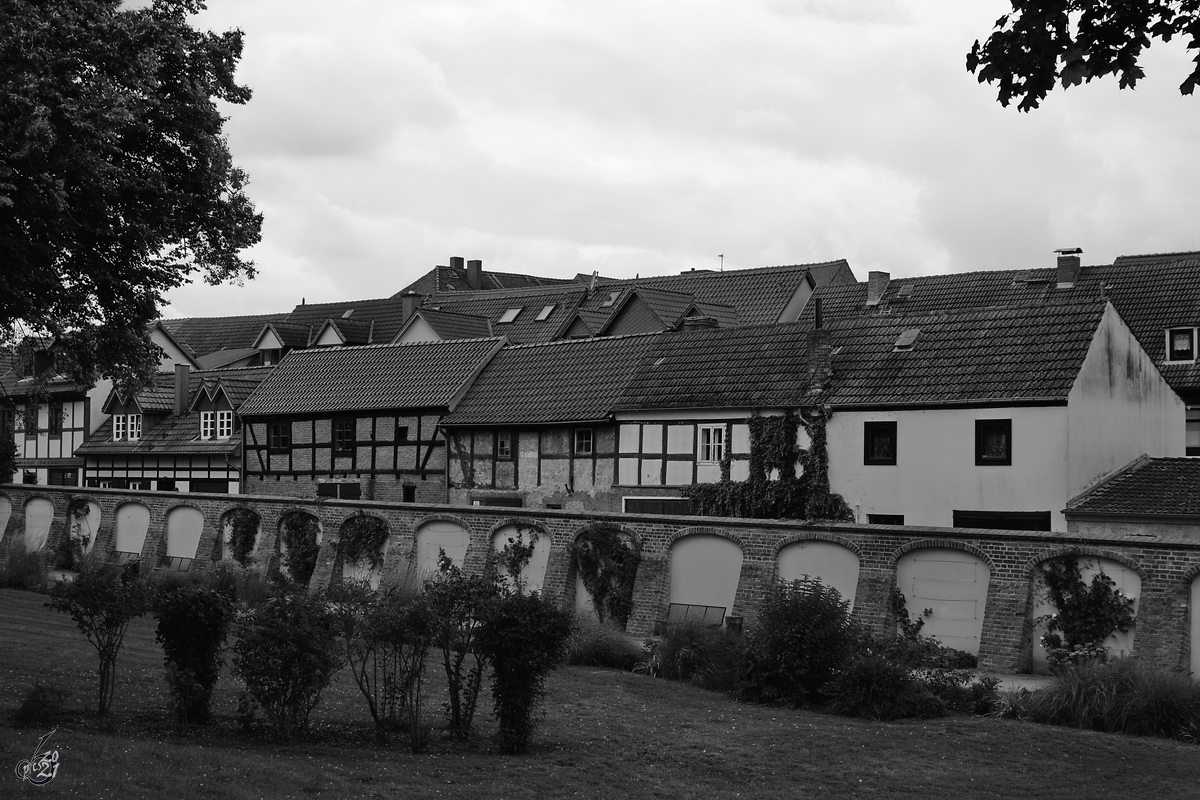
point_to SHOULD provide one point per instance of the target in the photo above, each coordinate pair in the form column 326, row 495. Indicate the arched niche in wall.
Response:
column 705, row 570
column 39, row 514
column 133, row 521
column 299, row 544
column 85, row 524
column 1125, row 578
column 241, row 530
column 1195, row 628
column 185, row 525
column 367, row 567
column 953, row 584
column 831, row 563
column 5, row 514
column 613, row 554
column 533, row 573
column 438, row 535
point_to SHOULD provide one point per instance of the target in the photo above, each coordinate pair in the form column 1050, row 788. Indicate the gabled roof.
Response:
column 451, row 324
column 289, row 334
column 349, row 331
column 386, row 313
column 1148, row 487
column 447, row 279
column 224, row 358
column 526, row 327
column 570, row 380
column 376, row 377
column 199, row 336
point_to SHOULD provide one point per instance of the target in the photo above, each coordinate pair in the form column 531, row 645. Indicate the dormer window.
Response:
column 134, row 427
column 118, row 427
column 509, row 315
column 208, row 424
column 1181, row 345
column 545, row 313
column 224, row 424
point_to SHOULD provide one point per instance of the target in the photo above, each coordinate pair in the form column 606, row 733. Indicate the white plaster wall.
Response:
column 533, row 574
column 133, row 521
column 705, row 570
column 184, row 527
column 417, row 331
column 829, row 563
column 88, row 525
column 5, row 514
column 448, row 536
column 39, row 513
column 935, row 471
column 1119, row 408
column 1127, row 580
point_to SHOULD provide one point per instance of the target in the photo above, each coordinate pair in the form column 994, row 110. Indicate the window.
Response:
column 879, row 443
column 993, row 442
column 224, row 424
column 118, row 427
column 342, row 491
column 209, row 486
column 612, row 298
column 1003, row 520
column 509, row 315
column 504, row 445
column 343, row 435
column 279, row 435
column 712, row 443
column 410, row 494
column 657, row 505
column 583, row 441
column 166, row 484
column 29, row 476
column 545, row 313
column 1193, row 431
column 402, row 433
column 134, row 427
column 207, row 424
column 62, row 477
column 1181, row 344
column 54, row 419
column 885, row 519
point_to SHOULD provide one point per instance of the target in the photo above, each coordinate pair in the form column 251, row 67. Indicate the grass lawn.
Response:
column 604, row 734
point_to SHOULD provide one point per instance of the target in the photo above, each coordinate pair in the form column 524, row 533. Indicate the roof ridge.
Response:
column 473, row 294
column 577, row 340
column 358, row 347
column 694, row 273
column 1099, row 484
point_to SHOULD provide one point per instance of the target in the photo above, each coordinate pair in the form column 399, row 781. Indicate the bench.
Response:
column 691, row 613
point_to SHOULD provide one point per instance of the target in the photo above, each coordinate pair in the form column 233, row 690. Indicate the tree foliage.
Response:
column 116, row 183
column 192, row 625
column 1044, row 42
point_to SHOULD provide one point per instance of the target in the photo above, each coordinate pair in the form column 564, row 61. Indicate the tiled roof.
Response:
column 290, row 334
column 221, row 358
column 526, row 328
column 171, row 435
column 386, row 313
column 571, row 380
column 1147, row 487
column 447, row 279
column 330, row 379
column 452, row 325
column 352, row 331
column 203, row 335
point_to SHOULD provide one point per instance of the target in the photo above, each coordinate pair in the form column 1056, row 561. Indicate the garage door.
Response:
column 448, row 536
column 953, row 584
column 830, row 563
column 705, row 570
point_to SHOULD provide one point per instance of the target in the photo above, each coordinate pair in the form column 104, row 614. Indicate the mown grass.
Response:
column 605, row 734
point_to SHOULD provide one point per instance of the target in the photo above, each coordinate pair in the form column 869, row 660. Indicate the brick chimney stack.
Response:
column 1068, row 266
column 475, row 273
column 409, row 304
column 877, row 283
column 181, row 388
column 820, row 353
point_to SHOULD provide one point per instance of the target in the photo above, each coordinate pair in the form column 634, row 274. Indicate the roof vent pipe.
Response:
column 1068, row 266
column 877, row 283
column 181, row 388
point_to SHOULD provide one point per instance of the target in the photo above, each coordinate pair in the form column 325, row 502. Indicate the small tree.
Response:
column 102, row 602
column 457, row 605
column 192, row 625
column 285, row 651
column 523, row 637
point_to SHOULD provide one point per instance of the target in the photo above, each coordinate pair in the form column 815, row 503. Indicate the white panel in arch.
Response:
column 5, row 514
column 39, row 513
column 364, row 570
column 705, row 570
column 86, row 527
column 1126, row 579
column 832, row 564
column 1195, row 662
column 133, row 520
column 184, row 527
column 954, row 585
column 533, row 574
column 440, row 534
column 585, row 606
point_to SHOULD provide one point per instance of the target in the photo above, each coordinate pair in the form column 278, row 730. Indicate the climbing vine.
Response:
column 70, row 550
column 607, row 564
column 243, row 533
column 1086, row 613
column 299, row 534
column 773, row 490
column 516, row 554
column 363, row 538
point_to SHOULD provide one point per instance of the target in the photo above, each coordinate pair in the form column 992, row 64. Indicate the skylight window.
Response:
column 545, row 313
column 509, row 315
column 906, row 340
column 612, row 298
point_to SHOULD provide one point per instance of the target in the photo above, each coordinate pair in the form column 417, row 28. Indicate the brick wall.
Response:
column 1166, row 567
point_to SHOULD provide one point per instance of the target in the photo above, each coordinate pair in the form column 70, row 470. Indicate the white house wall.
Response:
column 935, row 471
column 1119, row 408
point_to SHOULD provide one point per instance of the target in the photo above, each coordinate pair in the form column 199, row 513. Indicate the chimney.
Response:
column 698, row 323
column 820, row 360
column 457, row 262
column 409, row 304
column 181, row 388
column 877, row 283
column 475, row 273
column 1068, row 266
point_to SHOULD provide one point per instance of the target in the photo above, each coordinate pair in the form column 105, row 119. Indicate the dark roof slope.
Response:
column 1147, row 487
column 331, row 379
column 203, row 335
column 571, row 380
column 447, row 279
column 526, row 328
column 386, row 313
column 452, row 325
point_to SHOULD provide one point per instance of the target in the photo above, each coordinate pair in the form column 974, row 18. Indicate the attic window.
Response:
column 509, row 315
column 1181, row 344
column 612, row 298
column 349, row 311
column 906, row 340
column 905, row 292
column 545, row 313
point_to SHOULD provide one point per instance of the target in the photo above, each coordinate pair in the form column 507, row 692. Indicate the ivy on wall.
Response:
column 773, row 490
column 607, row 564
column 298, row 531
column 243, row 533
column 363, row 538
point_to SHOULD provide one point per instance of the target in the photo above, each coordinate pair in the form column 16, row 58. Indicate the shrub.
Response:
column 363, row 539
column 707, row 656
column 192, row 625
column 962, row 692
column 285, row 651
column 607, row 564
column 1121, row 696
column 523, row 637
column 23, row 571
column 102, row 602
column 43, row 706
column 801, row 639
column 298, row 532
column 457, row 604
column 1011, row 704
column 871, row 686
column 593, row 644
column 1086, row 614
column 243, row 534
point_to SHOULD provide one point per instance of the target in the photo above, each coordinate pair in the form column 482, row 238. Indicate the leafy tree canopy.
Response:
column 1043, row 42
column 116, row 183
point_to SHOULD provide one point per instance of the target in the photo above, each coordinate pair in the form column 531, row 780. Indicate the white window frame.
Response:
column 224, row 424
column 1167, row 352
column 510, row 314
column 545, row 313
column 118, row 427
column 591, row 442
column 711, row 440
column 208, row 424
column 134, row 429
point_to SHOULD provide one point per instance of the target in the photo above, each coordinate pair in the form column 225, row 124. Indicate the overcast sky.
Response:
column 647, row 137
